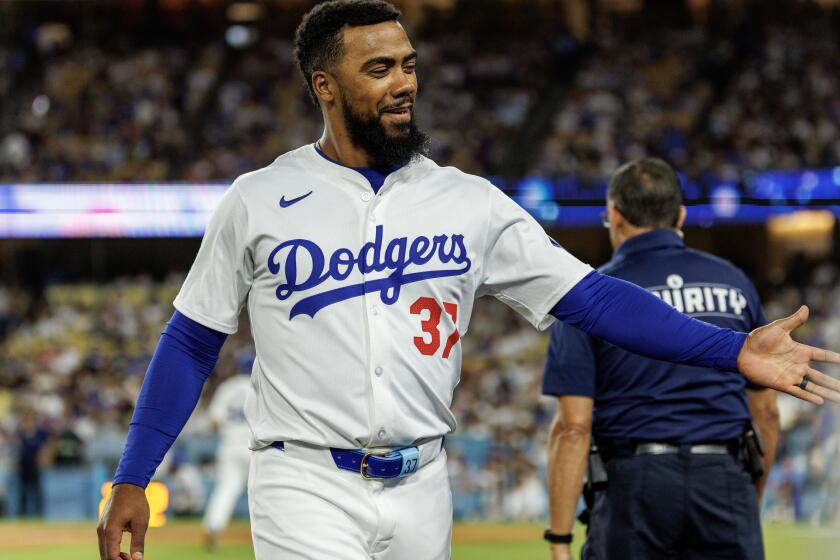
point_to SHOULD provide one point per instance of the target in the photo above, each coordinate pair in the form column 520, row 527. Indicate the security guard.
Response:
column 675, row 468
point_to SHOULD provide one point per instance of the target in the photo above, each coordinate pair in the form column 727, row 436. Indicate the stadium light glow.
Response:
column 240, row 36
column 45, row 210
column 106, row 210
column 244, row 12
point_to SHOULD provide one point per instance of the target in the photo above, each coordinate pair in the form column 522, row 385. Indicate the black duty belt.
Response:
column 627, row 448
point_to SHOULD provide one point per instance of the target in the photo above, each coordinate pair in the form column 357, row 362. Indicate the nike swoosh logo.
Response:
column 286, row 203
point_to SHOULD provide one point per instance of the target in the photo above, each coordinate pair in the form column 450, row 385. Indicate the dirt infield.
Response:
column 491, row 533
column 17, row 535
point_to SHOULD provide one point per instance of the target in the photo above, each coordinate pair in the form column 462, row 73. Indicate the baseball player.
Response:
column 674, row 467
column 227, row 413
column 359, row 260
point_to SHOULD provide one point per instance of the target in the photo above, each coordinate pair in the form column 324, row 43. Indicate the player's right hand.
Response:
column 127, row 510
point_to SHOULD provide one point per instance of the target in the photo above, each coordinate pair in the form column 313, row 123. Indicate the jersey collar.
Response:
column 375, row 175
column 330, row 169
column 650, row 241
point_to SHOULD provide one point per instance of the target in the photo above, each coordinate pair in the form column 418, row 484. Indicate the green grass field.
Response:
column 181, row 540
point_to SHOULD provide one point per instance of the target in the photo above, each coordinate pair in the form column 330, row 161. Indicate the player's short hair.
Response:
column 647, row 193
column 318, row 39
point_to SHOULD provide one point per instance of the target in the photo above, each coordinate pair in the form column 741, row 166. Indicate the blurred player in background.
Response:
column 33, row 441
column 673, row 463
column 227, row 413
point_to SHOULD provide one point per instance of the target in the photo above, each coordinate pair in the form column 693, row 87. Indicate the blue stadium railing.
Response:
column 750, row 198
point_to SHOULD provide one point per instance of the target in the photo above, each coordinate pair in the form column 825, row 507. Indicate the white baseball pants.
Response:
column 304, row 508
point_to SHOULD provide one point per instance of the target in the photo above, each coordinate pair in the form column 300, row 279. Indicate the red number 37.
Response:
column 429, row 346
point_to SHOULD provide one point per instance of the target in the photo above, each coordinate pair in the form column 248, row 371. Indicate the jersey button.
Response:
column 374, row 310
column 378, row 371
column 372, row 218
column 382, row 433
column 366, row 196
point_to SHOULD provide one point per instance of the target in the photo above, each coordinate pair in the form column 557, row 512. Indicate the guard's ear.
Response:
column 681, row 218
column 615, row 217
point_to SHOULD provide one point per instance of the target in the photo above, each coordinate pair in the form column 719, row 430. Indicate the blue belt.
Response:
column 374, row 464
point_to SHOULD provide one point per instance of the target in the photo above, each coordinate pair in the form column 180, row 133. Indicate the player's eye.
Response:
column 379, row 71
column 409, row 68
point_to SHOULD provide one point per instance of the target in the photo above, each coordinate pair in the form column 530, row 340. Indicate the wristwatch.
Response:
column 554, row 538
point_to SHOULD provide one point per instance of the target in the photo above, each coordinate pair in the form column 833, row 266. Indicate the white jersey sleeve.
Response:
column 218, row 283
column 522, row 266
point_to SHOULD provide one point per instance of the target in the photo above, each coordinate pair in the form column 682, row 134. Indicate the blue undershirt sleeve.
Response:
column 185, row 356
column 630, row 317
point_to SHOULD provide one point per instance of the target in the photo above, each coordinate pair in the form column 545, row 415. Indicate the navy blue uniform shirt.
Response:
column 640, row 398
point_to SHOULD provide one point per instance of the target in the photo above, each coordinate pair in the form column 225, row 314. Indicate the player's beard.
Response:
column 387, row 150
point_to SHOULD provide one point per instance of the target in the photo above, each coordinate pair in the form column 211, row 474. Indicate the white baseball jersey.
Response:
column 357, row 299
column 227, row 408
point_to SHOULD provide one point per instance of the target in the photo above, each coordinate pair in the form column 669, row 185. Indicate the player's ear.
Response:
column 325, row 86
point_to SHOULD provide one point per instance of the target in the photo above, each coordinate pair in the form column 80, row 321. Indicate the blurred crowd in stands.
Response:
column 709, row 100
column 764, row 97
column 71, row 369
column 209, row 112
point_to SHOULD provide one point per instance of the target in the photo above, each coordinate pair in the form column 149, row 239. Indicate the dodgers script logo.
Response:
column 399, row 254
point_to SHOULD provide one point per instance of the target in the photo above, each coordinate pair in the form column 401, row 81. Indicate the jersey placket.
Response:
column 379, row 340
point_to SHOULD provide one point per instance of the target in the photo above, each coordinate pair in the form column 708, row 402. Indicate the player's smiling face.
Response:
column 377, row 75
column 369, row 95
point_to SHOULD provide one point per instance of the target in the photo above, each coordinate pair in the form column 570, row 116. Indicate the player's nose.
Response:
column 405, row 84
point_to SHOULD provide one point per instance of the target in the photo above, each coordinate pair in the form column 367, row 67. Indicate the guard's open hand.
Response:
column 127, row 510
column 771, row 358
